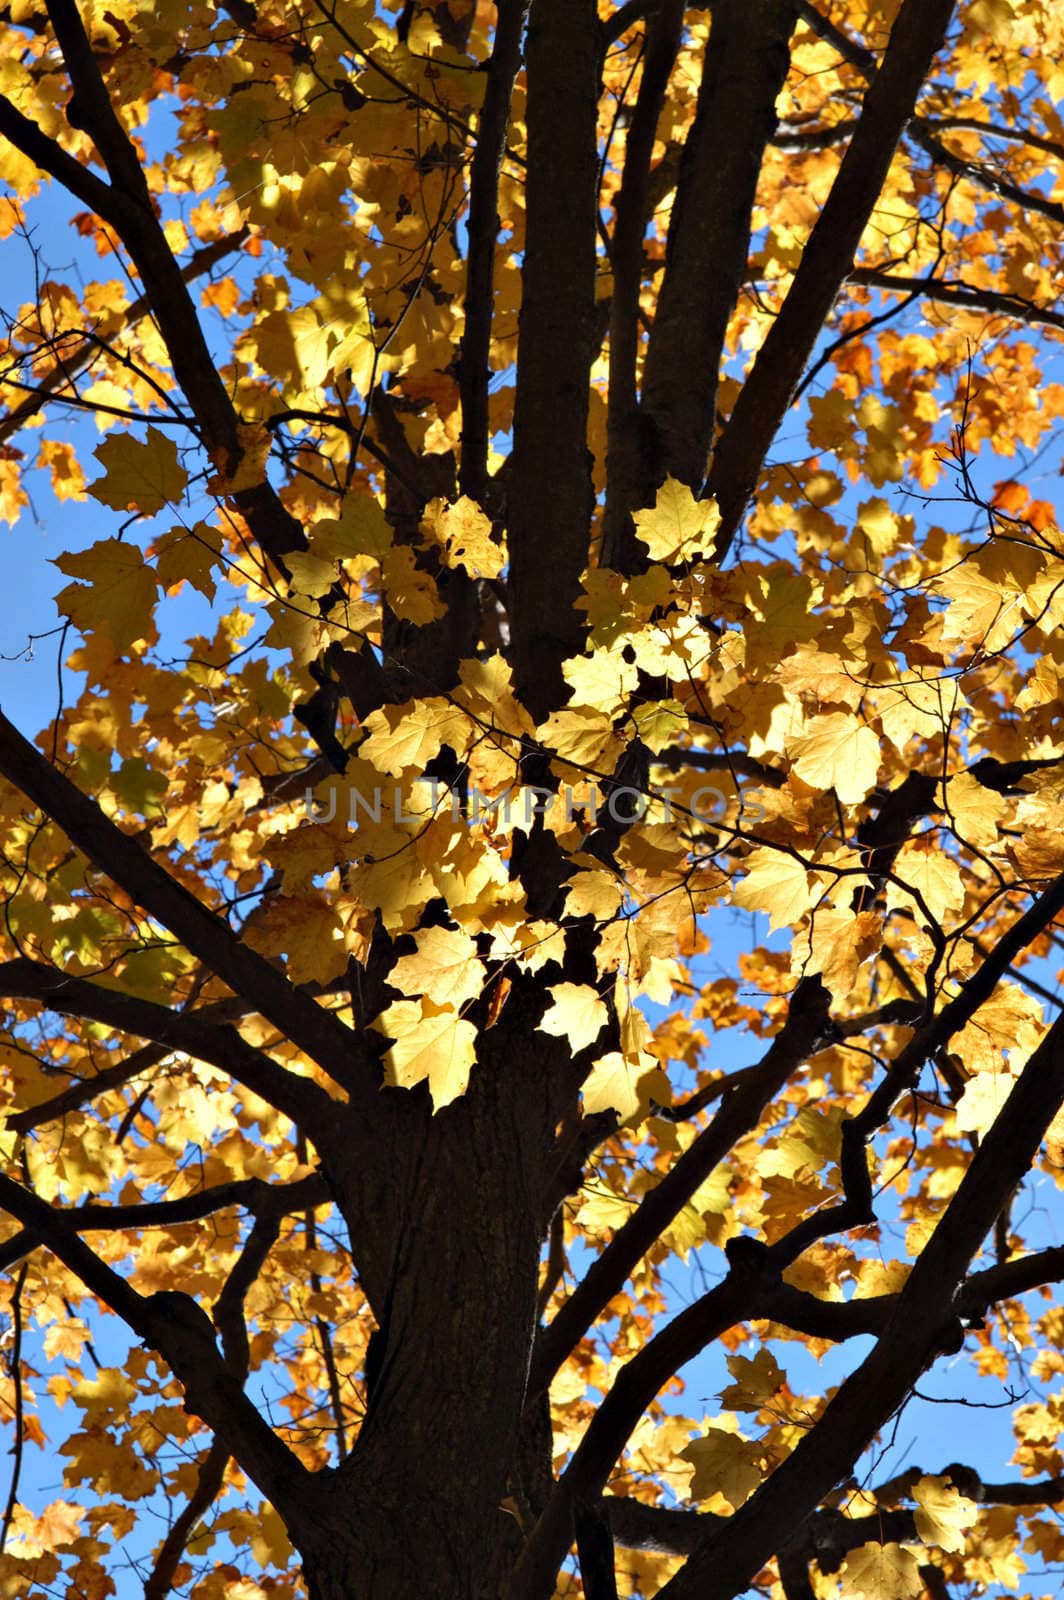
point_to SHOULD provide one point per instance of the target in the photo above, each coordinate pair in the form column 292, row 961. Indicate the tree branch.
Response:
column 623, row 455
column 996, row 130
column 856, row 54
column 626, row 16
column 475, row 365
column 175, row 1325
column 925, row 130
column 126, row 206
column 129, row 210
column 727, row 1561
column 229, row 1320
column 923, row 135
column 255, row 1194
column 83, row 1090
column 709, row 233
column 752, row 1289
column 906, row 1067
column 218, row 1044
column 550, row 495
column 310, row 1027
column 827, row 258
column 953, row 292
column 86, row 350
column 806, row 1026
column 51, row 158
column 211, row 1476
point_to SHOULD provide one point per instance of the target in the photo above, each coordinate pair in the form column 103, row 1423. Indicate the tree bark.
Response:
column 417, row 1507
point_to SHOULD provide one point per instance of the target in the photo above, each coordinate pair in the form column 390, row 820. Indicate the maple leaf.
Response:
column 118, row 593
column 922, row 866
column 617, row 1082
column 985, row 1094
column 837, row 752
column 575, row 1013
column 778, row 884
column 445, row 967
column 434, row 1046
column 840, row 941
column 140, row 475
column 465, row 534
column 943, row 1515
column 874, row 1570
column 405, row 738
column 756, row 1380
column 594, row 894
column 58, row 1524
column 68, row 480
column 725, row 1464
column 678, row 526
column 188, row 555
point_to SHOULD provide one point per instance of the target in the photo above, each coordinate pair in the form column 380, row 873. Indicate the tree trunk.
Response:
column 417, row 1508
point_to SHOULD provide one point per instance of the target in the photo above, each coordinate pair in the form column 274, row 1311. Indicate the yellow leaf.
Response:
column 361, row 530
column 782, row 604
column 310, row 574
column 778, row 885
column 923, row 866
column 581, row 735
column 975, row 812
column 105, row 1396
column 575, row 1013
column 679, row 525
column 68, row 480
column 878, row 524
column 486, row 689
column 464, row 531
column 660, row 723
column 984, row 1095
column 270, row 1543
column 994, row 17
column 840, row 941
column 613, row 1085
column 255, row 443
column 881, row 1572
column 601, row 680
column 944, row 1516
column 391, row 877
column 120, row 595
column 58, row 1524
column 405, row 738
column 437, row 1047
column 411, row 593
column 916, row 708
column 445, row 967
column 188, row 555
column 140, row 475
column 757, row 1379
column 837, row 752
column 595, row 894
column 726, row 1464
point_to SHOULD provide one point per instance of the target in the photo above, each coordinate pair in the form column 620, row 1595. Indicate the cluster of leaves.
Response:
column 361, row 1033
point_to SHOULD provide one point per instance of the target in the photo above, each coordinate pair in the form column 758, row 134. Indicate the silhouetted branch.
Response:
column 827, row 258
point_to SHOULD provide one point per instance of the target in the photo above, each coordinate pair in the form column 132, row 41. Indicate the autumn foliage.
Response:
column 579, row 895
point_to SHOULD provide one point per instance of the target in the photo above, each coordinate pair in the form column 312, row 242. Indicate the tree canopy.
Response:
column 588, row 895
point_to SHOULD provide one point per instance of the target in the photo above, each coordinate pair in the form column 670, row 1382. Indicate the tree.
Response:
column 534, row 397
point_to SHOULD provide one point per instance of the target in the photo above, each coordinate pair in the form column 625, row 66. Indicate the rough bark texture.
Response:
column 709, row 234
column 917, row 35
column 550, row 496
column 415, row 1509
